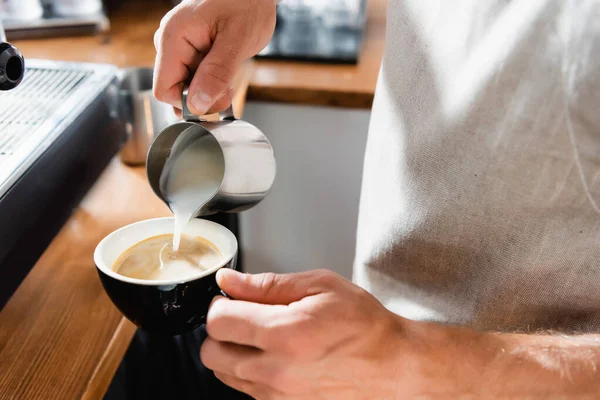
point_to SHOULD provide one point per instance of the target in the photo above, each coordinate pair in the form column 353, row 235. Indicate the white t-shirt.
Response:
column 481, row 191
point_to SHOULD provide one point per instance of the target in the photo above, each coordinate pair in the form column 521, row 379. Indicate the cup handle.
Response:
column 227, row 115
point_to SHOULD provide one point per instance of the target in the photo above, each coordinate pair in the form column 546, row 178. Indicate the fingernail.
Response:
column 202, row 103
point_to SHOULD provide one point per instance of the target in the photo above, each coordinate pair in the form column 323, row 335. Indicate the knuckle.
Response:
column 174, row 14
column 267, row 283
column 170, row 25
column 164, row 20
column 218, row 73
column 167, row 17
column 168, row 32
column 327, row 278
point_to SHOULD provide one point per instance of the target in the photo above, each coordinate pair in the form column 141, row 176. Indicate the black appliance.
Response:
column 58, row 130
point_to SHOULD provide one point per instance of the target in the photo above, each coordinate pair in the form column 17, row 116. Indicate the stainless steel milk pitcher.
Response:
column 246, row 159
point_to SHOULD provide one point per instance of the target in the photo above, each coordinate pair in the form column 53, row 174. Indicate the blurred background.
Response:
column 314, row 30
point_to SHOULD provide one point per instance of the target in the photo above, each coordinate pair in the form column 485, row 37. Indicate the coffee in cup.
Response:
column 155, row 258
column 173, row 302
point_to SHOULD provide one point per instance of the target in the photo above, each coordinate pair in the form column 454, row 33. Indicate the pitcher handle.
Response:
column 227, row 115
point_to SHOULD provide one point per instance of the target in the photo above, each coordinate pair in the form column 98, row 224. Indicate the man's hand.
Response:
column 208, row 39
column 314, row 335
column 310, row 335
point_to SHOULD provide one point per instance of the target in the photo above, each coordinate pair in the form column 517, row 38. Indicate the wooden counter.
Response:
column 130, row 43
column 318, row 84
column 60, row 336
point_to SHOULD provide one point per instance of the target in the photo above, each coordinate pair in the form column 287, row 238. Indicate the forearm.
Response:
column 492, row 365
column 552, row 364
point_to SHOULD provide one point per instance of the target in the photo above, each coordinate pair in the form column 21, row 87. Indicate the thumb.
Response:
column 267, row 288
column 214, row 76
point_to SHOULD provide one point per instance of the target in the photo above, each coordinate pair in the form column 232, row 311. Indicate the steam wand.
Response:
column 12, row 63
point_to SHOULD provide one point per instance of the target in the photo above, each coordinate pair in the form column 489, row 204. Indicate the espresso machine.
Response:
column 59, row 129
column 12, row 65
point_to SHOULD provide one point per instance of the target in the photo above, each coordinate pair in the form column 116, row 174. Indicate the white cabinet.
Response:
column 308, row 221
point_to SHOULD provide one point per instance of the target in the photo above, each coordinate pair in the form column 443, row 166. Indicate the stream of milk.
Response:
column 191, row 176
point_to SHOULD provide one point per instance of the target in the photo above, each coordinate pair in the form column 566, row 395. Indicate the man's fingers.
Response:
column 169, row 75
column 229, row 358
column 257, row 391
column 222, row 104
column 214, row 75
column 269, row 288
column 172, row 69
column 242, row 322
column 246, row 363
column 176, row 57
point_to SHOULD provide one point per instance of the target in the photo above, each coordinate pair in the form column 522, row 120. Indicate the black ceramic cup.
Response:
column 174, row 306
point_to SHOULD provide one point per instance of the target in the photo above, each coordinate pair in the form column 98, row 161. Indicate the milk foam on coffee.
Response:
column 191, row 176
column 154, row 259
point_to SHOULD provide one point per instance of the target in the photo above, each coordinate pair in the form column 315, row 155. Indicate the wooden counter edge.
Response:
column 109, row 363
column 313, row 97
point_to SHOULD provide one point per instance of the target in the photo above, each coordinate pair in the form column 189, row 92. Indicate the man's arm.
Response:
column 502, row 365
column 314, row 335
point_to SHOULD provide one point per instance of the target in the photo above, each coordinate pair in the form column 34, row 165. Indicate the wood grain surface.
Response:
column 60, row 328
column 130, row 43
column 105, row 369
